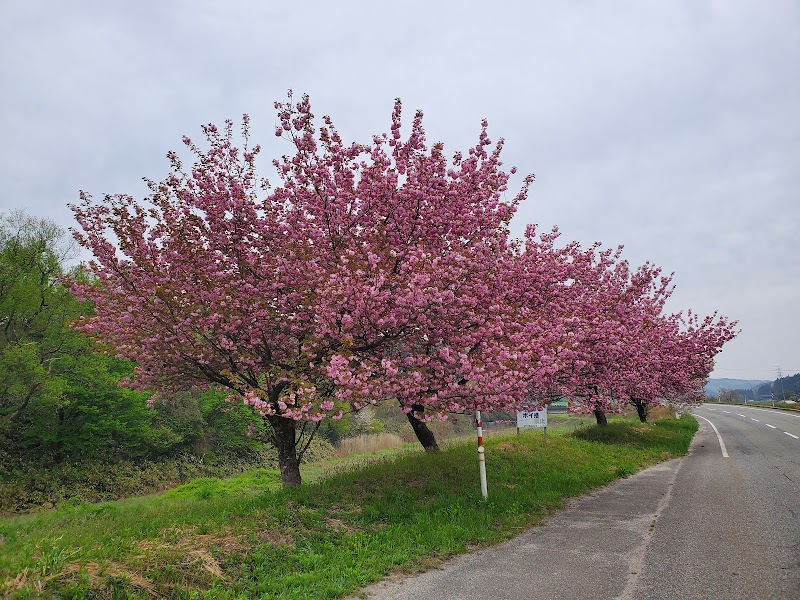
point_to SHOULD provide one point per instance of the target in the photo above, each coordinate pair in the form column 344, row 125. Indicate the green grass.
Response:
column 670, row 435
column 349, row 525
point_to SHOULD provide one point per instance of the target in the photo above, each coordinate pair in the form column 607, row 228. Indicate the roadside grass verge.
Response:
column 670, row 434
column 401, row 512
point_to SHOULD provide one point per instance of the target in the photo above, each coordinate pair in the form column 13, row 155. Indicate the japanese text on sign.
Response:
column 532, row 418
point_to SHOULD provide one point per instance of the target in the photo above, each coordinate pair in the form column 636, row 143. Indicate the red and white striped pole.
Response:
column 481, row 458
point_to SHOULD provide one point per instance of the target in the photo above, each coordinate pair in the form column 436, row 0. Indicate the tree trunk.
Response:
column 423, row 433
column 284, row 431
column 600, row 415
column 641, row 409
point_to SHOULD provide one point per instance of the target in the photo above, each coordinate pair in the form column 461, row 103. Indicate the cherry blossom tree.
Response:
column 587, row 310
column 414, row 290
column 597, row 333
column 539, row 292
column 627, row 320
column 366, row 274
column 371, row 272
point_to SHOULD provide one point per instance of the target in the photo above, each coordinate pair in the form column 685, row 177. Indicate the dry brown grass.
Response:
column 364, row 444
column 97, row 575
column 654, row 413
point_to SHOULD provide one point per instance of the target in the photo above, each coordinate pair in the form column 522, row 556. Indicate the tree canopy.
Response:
column 371, row 271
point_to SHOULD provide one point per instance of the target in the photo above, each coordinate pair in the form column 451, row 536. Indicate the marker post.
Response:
column 481, row 457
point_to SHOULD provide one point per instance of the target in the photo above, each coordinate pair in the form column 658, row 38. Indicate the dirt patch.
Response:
column 340, row 525
column 275, row 538
column 226, row 544
column 351, row 509
column 187, row 540
column 203, row 558
column 506, row 446
column 192, row 550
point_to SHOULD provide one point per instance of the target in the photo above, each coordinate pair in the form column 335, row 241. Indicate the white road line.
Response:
column 727, row 412
column 797, row 437
column 741, row 415
column 719, row 437
column 774, row 411
column 756, row 420
column 770, row 426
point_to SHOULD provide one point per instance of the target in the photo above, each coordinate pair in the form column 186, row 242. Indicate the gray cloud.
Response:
column 671, row 128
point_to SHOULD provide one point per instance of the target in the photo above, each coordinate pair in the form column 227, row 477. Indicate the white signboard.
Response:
column 532, row 418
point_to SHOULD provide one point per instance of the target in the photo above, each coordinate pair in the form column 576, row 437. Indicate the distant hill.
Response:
column 715, row 385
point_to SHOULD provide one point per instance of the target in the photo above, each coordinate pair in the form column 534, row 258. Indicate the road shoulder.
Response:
column 602, row 535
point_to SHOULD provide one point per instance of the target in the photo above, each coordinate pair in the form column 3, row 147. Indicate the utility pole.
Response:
column 780, row 378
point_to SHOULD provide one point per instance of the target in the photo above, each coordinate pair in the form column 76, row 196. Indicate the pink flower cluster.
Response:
column 373, row 271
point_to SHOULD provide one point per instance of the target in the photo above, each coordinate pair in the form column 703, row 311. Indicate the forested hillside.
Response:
column 784, row 388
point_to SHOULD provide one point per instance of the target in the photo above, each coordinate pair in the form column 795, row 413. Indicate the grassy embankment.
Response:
column 356, row 520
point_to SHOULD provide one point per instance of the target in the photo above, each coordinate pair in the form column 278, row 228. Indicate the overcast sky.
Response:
column 670, row 127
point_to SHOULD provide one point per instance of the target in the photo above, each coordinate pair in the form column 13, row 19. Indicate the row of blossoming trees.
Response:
column 373, row 272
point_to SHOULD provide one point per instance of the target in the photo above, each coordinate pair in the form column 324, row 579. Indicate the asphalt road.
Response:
column 706, row 526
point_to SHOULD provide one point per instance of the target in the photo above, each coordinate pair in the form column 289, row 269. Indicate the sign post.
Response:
column 481, row 457
column 532, row 419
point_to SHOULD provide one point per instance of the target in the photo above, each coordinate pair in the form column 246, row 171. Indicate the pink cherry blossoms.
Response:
column 371, row 272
